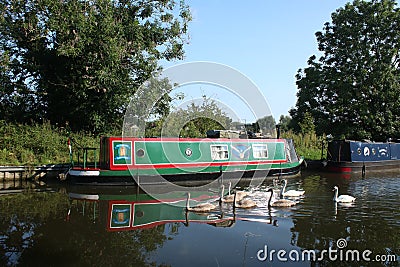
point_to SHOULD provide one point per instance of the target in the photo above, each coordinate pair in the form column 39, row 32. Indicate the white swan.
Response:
column 290, row 193
column 243, row 203
column 342, row 198
column 279, row 202
column 202, row 207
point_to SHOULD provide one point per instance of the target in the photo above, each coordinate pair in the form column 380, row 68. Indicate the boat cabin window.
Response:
column 219, row 152
column 260, row 151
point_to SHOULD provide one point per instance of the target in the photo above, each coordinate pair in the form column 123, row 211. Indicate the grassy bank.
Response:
column 38, row 144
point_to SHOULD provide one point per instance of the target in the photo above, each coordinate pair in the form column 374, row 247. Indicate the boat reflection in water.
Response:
column 120, row 211
column 124, row 226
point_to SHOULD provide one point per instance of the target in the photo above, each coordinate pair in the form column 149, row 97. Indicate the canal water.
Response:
column 82, row 226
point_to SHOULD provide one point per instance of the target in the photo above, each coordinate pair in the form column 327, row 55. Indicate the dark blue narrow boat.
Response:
column 348, row 156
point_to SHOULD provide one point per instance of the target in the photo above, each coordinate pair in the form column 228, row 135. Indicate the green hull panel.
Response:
column 203, row 152
column 177, row 171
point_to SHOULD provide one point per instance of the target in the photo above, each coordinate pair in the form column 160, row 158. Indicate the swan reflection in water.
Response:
column 343, row 204
column 267, row 219
column 121, row 212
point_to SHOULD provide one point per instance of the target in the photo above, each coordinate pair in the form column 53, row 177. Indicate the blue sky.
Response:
column 268, row 41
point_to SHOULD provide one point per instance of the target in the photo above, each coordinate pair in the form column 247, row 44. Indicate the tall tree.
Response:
column 80, row 61
column 193, row 121
column 353, row 89
column 267, row 125
column 285, row 122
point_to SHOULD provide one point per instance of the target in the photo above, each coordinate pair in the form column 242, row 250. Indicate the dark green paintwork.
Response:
column 166, row 152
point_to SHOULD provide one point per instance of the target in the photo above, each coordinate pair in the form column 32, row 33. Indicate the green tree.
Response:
column 353, row 88
column 149, row 105
column 194, row 120
column 80, row 61
column 267, row 125
column 285, row 123
column 307, row 124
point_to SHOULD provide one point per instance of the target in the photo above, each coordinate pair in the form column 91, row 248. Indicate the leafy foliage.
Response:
column 285, row 123
column 22, row 144
column 307, row 124
column 353, row 89
column 150, row 102
column 308, row 144
column 192, row 121
column 266, row 125
column 35, row 232
column 80, row 61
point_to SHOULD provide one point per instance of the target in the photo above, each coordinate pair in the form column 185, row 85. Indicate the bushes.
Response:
column 308, row 145
column 37, row 144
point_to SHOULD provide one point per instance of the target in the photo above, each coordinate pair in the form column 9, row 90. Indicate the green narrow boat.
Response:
column 127, row 159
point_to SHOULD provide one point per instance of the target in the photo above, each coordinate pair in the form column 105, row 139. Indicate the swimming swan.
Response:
column 239, row 194
column 279, row 202
column 342, row 198
column 290, row 193
column 202, row 207
column 230, row 197
column 243, row 203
